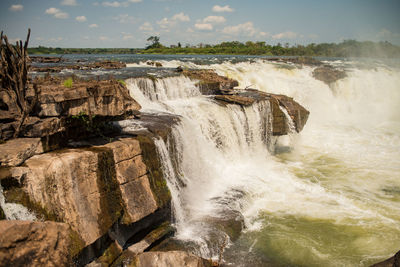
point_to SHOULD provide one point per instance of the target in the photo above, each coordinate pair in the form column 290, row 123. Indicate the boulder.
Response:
column 210, row 83
column 15, row 152
column 247, row 97
column 26, row 243
column 328, row 74
column 167, row 259
column 391, row 262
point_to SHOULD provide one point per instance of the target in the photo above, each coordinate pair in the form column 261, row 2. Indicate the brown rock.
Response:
column 168, row 259
column 210, row 83
column 328, row 74
column 235, row 99
column 15, row 152
column 25, row 243
column 391, row 262
column 79, row 187
column 100, row 98
column 40, row 59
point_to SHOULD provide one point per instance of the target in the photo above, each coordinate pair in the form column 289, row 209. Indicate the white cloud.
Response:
column 57, row 13
column 115, row 4
column 214, row 19
column 124, row 18
column 93, row 25
column 118, row 4
column 81, row 18
column 167, row 23
column 16, row 7
column 226, row 8
column 285, row 35
column 127, row 36
column 204, row 26
column 69, row 3
column 181, row 17
column 103, row 38
column 246, row 29
column 146, row 27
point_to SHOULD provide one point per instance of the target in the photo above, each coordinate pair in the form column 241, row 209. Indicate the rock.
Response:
column 40, row 59
column 154, row 63
column 94, row 98
column 15, row 152
column 210, row 83
column 167, row 259
column 328, row 74
column 108, row 65
column 391, row 262
column 79, row 187
column 25, row 243
column 164, row 230
column 108, row 257
column 247, row 97
column 2, row 214
column 230, row 222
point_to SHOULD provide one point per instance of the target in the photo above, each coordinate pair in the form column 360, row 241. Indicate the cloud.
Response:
column 167, row 23
column 285, row 35
column 246, row 29
column 118, row 4
column 204, row 26
column 57, row 13
column 103, row 38
column 69, row 3
column 124, row 18
column 146, row 27
column 226, row 8
column 93, row 25
column 127, row 36
column 81, row 18
column 16, row 7
column 214, row 19
column 181, row 17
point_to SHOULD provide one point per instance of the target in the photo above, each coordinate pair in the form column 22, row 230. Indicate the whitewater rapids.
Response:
column 329, row 196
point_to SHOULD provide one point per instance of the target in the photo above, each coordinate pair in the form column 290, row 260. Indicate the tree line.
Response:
column 347, row 48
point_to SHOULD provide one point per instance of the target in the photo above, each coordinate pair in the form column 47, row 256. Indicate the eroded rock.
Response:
column 210, row 83
column 15, row 152
column 328, row 74
column 170, row 258
column 25, row 243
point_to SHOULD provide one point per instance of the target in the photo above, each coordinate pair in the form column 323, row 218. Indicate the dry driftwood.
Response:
column 14, row 77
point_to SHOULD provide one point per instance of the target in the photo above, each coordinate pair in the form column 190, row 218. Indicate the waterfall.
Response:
column 14, row 211
column 219, row 161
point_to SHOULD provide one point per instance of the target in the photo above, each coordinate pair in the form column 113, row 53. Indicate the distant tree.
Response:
column 154, row 42
column 179, row 44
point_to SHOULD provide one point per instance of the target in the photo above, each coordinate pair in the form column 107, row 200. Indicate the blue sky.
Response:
column 128, row 23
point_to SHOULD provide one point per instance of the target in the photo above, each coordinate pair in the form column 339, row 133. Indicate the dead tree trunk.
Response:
column 14, row 77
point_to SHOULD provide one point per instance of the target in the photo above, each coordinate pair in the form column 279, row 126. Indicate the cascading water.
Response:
column 332, row 200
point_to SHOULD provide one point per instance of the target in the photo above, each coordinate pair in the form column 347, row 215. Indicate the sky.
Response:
column 128, row 23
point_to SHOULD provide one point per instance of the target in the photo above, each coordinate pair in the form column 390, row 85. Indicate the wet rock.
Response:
column 164, row 230
column 230, row 222
column 108, row 257
column 154, row 63
column 328, row 74
column 391, row 262
column 170, row 258
column 25, row 243
column 247, row 97
column 15, row 152
column 41, row 59
column 210, row 83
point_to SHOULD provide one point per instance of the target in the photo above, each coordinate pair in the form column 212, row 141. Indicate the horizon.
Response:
column 128, row 23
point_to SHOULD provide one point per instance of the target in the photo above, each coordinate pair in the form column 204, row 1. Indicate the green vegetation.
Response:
column 122, row 82
column 68, row 83
column 348, row 48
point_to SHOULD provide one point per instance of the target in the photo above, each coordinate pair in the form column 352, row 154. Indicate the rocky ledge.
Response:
column 107, row 65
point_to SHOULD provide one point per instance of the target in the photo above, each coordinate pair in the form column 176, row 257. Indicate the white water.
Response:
column 341, row 175
column 14, row 211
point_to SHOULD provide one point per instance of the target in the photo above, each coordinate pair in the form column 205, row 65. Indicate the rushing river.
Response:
column 329, row 196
